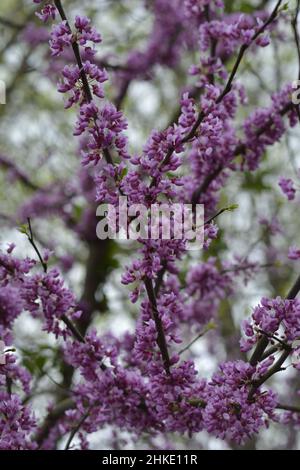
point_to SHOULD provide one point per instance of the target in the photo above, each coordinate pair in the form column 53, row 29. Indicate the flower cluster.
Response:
column 197, row 7
column 72, row 82
column 230, row 35
column 12, row 301
column 266, row 126
column 55, row 301
column 276, row 318
column 48, row 12
column 178, row 402
column 42, row 294
column 85, row 32
column 206, row 287
column 17, row 423
column 229, row 413
column 62, row 36
column 105, row 126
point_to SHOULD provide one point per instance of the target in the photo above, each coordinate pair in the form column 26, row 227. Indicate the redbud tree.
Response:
column 111, row 343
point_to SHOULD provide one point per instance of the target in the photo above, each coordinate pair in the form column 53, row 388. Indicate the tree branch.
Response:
column 161, row 339
column 202, row 115
column 86, row 87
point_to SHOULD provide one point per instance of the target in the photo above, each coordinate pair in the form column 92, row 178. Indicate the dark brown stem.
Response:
column 294, row 290
column 277, row 367
column 205, row 185
column 77, row 428
column 76, row 50
column 259, row 350
column 296, row 34
column 294, row 409
column 33, row 244
column 215, row 216
column 269, row 352
column 160, row 278
column 122, row 93
column 76, row 333
column 20, row 174
column 161, row 339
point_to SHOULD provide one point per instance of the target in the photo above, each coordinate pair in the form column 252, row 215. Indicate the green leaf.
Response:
column 23, row 229
column 231, row 208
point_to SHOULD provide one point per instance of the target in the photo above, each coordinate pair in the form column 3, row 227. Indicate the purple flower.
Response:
column 85, row 32
column 61, row 37
column 294, row 253
column 287, row 186
column 197, row 7
column 49, row 11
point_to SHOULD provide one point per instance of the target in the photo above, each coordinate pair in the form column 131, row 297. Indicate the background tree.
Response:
column 121, row 374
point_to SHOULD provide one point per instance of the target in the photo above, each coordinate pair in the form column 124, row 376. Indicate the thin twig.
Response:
column 220, row 212
column 237, row 269
column 11, row 24
column 20, row 174
column 52, row 418
column 33, row 244
column 200, row 335
column 296, row 33
column 77, row 428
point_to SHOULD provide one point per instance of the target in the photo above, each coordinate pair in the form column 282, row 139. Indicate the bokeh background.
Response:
column 41, row 177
